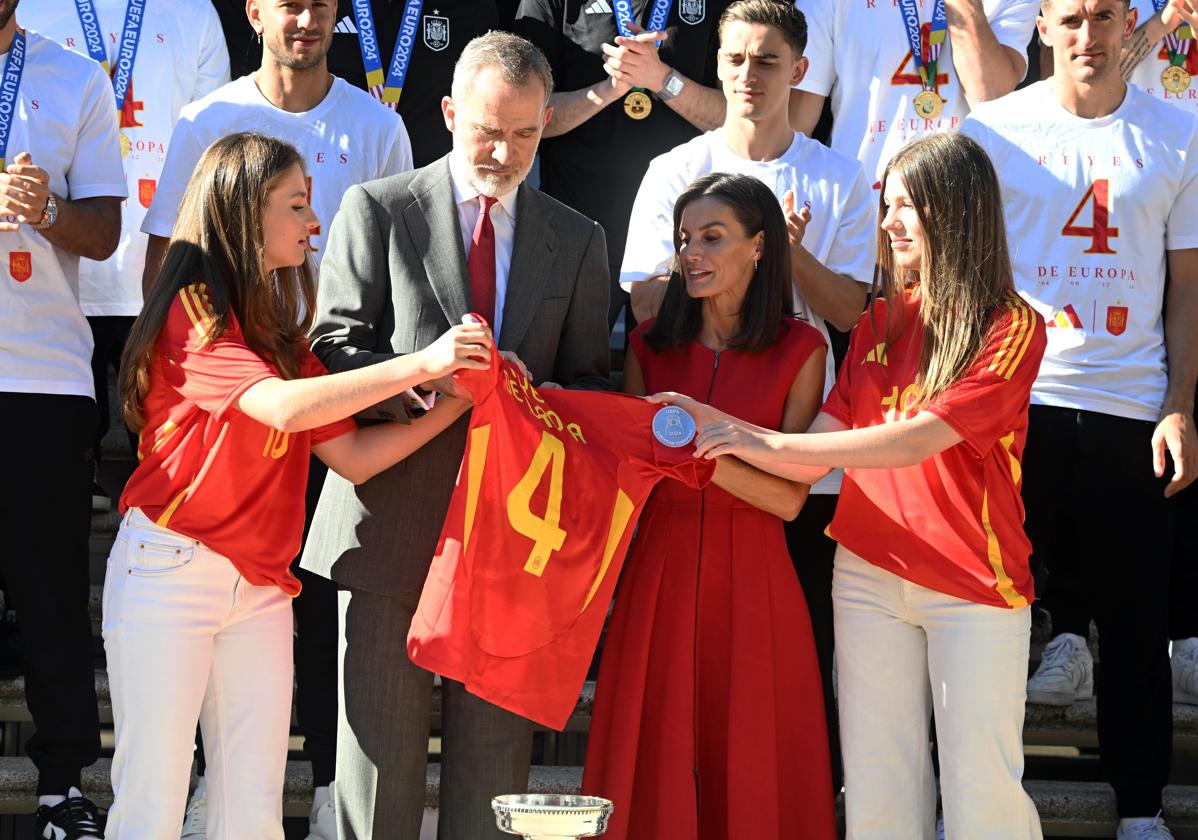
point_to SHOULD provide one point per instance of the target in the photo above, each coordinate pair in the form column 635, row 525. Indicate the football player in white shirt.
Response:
column 862, row 55
column 60, row 200
column 1100, row 183
column 180, row 56
column 829, row 209
column 346, row 139
column 343, row 134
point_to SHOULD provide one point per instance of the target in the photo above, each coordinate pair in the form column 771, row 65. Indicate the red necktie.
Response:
column 481, row 262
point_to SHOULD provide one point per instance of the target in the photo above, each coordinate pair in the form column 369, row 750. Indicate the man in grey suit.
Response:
column 407, row 257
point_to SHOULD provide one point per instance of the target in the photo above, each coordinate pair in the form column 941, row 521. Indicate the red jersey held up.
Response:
column 210, row 472
column 550, row 488
column 953, row 523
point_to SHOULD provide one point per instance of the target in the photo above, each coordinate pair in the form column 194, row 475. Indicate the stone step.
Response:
column 1067, row 809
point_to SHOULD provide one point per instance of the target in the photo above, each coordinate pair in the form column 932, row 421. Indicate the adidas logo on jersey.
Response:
column 599, row 7
column 346, row 26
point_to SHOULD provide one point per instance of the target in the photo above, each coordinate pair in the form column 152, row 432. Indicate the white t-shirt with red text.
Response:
column 859, row 55
column 345, row 140
column 1147, row 75
column 1092, row 207
column 181, row 56
column 65, row 117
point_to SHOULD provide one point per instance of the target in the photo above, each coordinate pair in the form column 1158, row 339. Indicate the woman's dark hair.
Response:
column 217, row 240
column 768, row 297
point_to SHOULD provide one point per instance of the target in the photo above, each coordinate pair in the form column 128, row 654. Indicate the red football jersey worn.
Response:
column 207, row 470
column 953, row 523
column 549, row 490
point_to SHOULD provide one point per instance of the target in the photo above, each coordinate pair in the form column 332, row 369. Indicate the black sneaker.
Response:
column 101, row 502
column 75, row 818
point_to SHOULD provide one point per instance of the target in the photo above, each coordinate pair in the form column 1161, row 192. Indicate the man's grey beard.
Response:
column 494, row 185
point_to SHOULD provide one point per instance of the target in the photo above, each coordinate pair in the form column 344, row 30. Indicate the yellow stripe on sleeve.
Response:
column 1028, row 332
column 1003, row 584
column 1006, row 342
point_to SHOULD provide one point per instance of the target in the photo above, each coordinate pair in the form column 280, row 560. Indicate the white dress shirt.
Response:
column 503, row 219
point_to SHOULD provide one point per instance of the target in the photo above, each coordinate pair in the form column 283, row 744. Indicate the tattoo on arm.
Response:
column 1137, row 48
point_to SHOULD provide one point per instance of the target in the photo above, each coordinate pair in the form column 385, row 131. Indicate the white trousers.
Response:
column 903, row 651
column 187, row 638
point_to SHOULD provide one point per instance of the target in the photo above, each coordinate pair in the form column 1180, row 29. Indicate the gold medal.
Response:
column 928, row 104
column 126, row 146
column 1175, row 79
column 638, row 105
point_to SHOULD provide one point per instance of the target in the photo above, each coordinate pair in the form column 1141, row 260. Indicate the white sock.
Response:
column 320, row 796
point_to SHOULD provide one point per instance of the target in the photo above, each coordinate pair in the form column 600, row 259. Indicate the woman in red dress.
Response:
column 709, row 718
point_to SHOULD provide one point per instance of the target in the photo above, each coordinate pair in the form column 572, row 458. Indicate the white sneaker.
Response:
column 195, row 819
column 1065, row 675
column 1143, row 828
column 1185, row 671
column 322, row 824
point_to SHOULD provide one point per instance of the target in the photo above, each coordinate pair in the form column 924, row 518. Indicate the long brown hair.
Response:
column 217, row 240
column 756, row 208
column 965, row 273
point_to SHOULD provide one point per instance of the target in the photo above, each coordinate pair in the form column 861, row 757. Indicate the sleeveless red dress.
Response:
column 709, row 717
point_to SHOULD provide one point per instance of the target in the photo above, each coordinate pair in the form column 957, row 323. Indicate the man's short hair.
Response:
column 517, row 61
column 781, row 15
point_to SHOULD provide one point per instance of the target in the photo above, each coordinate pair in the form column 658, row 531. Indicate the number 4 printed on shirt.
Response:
column 907, row 74
column 1099, row 232
column 545, row 531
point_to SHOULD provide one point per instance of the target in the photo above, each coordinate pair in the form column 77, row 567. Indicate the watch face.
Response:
column 674, row 85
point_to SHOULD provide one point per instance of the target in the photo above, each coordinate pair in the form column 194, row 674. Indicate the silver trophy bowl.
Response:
column 551, row 816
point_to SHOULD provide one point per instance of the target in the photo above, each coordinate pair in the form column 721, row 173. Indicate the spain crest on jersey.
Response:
column 436, row 32
column 1116, row 319
column 146, row 188
column 692, row 11
column 20, row 265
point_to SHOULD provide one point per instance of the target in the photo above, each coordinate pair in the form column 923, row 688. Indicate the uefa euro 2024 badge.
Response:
column 673, row 427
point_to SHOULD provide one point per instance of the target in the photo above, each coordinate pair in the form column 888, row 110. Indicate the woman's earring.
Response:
column 756, row 259
column 259, row 34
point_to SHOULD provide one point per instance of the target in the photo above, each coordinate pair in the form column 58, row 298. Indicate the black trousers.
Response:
column 45, row 516
column 1183, row 589
column 812, row 552
column 110, row 332
column 1098, row 519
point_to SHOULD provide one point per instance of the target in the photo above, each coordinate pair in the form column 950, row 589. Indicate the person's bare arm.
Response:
column 572, row 108
column 986, row 68
column 365, row 452
column 1175, row 432
column 155, row 254
column 1150, row 32
column 634, row 62
column 646, row 296
column 295, row 405
column 87, row 227
column 835, row 297
column 805, row 110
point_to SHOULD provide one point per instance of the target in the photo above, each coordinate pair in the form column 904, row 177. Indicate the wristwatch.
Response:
column 672, row 87
column 50, row 216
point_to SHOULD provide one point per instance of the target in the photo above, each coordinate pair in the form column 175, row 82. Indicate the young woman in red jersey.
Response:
column 931, row 585
column 709, row 665
column 229, row 402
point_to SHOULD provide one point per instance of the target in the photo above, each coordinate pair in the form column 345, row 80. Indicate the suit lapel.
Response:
column 532, row 258
column 443, row 256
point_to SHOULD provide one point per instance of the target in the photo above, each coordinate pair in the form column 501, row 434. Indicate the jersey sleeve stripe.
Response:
column 189, row 309
column 1003, row 584
column 1027, row 341
column 199, row 296
column 1028, row 322
column 1007, row 339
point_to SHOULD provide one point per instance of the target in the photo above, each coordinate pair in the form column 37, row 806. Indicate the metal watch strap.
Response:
column 50, row 216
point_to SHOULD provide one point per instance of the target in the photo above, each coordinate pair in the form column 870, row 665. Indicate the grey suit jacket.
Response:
column 393, row 279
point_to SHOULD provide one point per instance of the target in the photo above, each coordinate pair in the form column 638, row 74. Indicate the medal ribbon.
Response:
column 658, row 14
column 936, row 38
column 10, row 84
column 405, row 42
column 1178, row 42
column 126, row 53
